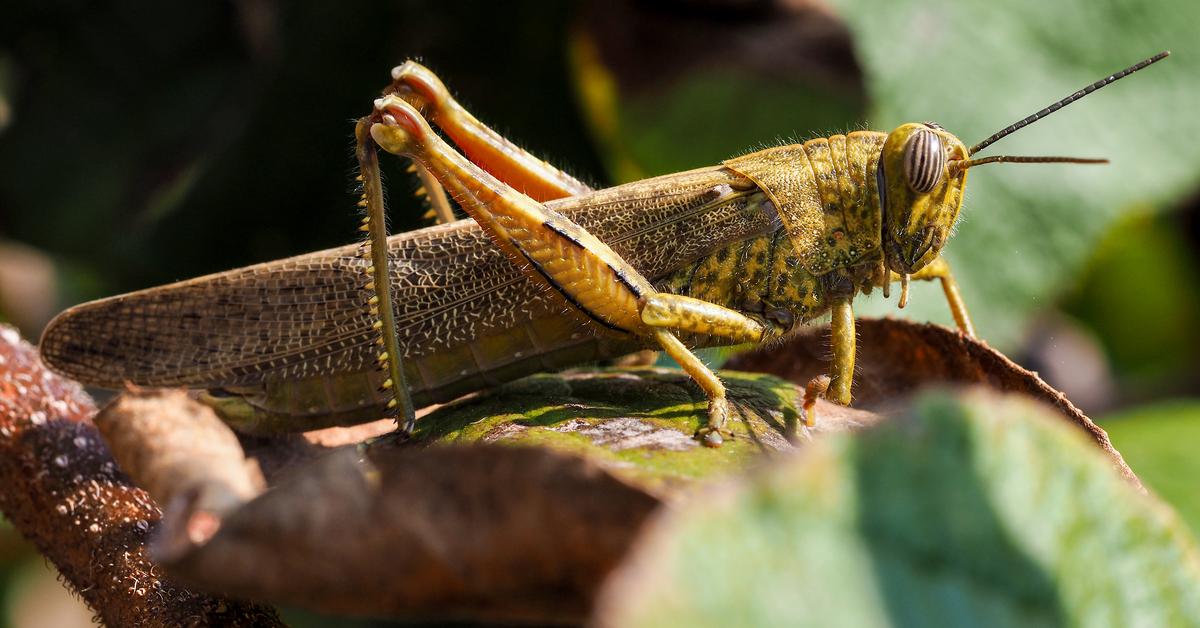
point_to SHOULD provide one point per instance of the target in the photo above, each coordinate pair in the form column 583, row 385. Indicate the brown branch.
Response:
column 63, row 491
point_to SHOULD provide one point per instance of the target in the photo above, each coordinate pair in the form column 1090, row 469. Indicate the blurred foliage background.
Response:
column 141, row 143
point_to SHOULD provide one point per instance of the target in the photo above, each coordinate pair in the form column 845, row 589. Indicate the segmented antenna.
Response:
column 1066, row 101
column 963, row 164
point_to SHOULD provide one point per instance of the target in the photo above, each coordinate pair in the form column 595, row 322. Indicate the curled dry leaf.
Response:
column 454, row 523
column 896, row 357
column 64, row 493
column 483, row 531
column 184, row 456
column 510, row 504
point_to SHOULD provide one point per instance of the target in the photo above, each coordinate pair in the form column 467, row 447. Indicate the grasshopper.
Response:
column 546, row 273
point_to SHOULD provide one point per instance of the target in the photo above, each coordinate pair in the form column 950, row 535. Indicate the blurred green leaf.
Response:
column 976, row 66
column 1151, row 337
column 968, row 510
column 672, row 88
column 1159, row 442
column 674, row 130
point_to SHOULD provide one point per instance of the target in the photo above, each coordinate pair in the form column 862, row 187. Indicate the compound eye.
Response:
column 924, row 160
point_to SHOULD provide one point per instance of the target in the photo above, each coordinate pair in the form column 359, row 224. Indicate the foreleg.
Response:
column 939, row 269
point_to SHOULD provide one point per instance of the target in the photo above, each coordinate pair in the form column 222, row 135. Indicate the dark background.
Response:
column 146, row 142
column 156, row 141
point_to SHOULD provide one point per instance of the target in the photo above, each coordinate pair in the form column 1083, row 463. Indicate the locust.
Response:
column 546, row 273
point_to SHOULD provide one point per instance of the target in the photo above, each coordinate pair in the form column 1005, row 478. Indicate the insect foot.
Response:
column 718, row 414
column 815, row 388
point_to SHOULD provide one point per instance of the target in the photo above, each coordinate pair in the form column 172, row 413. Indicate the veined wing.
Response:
column 306, row 316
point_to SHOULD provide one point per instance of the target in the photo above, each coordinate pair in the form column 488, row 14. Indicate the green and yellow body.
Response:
column 546, row 274
column 285, row 345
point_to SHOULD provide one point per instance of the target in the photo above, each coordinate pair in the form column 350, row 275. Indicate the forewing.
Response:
column 307, row 316
column 300, row 316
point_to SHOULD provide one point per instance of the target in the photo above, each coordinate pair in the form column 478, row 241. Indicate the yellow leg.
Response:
column 592, row 279
column 841, row 369
column 939, row 268
column 718, row 406
column 836, row 386
column 508, row 162
column 695, row 316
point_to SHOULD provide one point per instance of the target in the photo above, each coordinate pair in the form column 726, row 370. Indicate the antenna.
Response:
column 962, row 164
column 1066, row 101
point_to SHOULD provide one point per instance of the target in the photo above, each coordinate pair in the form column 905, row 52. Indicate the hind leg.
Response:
column 511, row 164
column 593, row 281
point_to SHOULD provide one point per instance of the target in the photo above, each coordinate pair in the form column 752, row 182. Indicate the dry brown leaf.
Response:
column 63, row 492
column 492, row 527
column 896, row 357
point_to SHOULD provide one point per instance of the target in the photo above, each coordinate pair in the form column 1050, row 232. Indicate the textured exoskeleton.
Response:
column 547, row 273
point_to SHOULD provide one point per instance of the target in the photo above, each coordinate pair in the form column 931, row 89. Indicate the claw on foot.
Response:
column 718, row 413
column 394, row 438
column 816, row 388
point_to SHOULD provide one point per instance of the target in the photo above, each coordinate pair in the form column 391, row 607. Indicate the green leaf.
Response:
column 976, row 510
column 1160, row 442
column 976, row 66
column 637, row 422
column 668, row 91
column 1150, row 339
column 656, row 122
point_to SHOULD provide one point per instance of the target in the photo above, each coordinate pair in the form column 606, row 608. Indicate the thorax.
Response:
column 828, row 243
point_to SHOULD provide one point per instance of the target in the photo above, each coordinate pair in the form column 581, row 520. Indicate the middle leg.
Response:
column 837, row 384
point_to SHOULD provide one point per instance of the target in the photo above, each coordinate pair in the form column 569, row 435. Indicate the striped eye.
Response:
column 924, row 160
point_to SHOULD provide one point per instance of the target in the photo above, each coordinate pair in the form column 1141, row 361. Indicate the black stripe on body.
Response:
column 686, row 289
column 770, row 267
column 739, row 269
column 570, row 299
column 560, row 231
column 637, row 292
